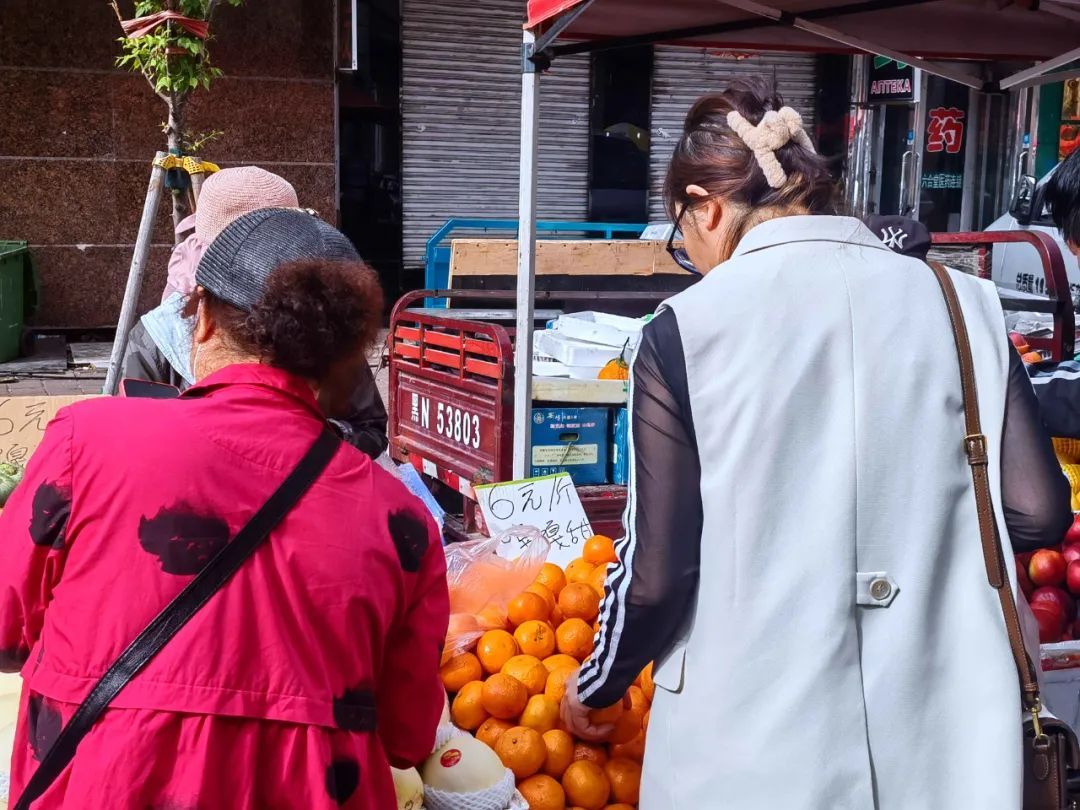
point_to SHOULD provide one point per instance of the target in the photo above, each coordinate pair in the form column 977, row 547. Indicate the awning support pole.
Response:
column 1040, row 69
column 526, row 275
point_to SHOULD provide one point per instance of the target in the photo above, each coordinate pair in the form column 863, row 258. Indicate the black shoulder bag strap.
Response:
column 178, row 612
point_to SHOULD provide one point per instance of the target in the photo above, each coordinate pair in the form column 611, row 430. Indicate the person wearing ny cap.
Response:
column 316, row 665
column 159, row 345
column 902, row 235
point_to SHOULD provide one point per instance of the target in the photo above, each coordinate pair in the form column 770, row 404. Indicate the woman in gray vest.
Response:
column 802, row 553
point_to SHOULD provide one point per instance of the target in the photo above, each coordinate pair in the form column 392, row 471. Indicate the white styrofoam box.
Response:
column 599, row 327
column 574, row 352
column 550, row 367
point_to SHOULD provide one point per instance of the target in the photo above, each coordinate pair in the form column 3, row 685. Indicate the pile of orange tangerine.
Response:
column 508, row 689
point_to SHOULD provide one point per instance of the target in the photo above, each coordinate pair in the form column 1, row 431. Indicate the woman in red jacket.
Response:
column 316, row 665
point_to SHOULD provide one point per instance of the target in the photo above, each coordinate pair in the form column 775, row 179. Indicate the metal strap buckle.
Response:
column 975, row 447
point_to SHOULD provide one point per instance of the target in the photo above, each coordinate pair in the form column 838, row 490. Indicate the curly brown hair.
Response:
column 313, row 315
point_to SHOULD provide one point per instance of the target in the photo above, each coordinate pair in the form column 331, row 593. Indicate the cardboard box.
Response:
column 23, row 421
column 572, row 440
column 620, row 447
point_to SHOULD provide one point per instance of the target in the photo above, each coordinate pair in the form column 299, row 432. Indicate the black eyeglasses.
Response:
column 679, row 255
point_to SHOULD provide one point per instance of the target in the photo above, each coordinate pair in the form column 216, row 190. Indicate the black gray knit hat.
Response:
column 239, row 261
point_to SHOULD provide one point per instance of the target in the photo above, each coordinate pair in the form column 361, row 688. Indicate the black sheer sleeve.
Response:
column 650, row 590
column 1034, row 492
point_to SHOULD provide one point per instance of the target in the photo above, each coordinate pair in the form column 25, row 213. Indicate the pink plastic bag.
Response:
column 482, row 583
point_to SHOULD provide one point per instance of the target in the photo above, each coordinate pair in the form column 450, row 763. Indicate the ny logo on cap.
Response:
column 893, row 237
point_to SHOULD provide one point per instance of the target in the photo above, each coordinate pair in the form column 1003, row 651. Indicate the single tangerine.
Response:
column 526, row 607
column 560, row 752
column 586, row 785
column 627, row 727
column 574, row 638
column 552, row 577
column 620, row 806
column 546, row 594
column 579, row 601
column 535, row 638
column 460, row 670
column 528, row 670
column 555, row 688
column 599, row 579
column 624, row 775
column 491, row 729
column 589, row 752
column 467, row 711
column 579, row 571
column 560, row 661
column 635, row 749
column 492, row 617
column 522, row 750
column 495, row 648
column 543, row 793
column 600, row 550
column 608, row 715
column 541, row 713
column 504, row 697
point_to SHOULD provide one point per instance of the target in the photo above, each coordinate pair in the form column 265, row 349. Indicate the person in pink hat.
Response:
column 159, row 345
column 225, row 196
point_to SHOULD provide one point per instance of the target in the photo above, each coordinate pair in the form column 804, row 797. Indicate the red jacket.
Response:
column 319, row 660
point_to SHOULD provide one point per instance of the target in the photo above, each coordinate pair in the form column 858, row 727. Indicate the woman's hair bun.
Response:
column 313, row 315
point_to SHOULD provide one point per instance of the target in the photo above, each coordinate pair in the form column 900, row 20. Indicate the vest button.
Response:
column 880, row 589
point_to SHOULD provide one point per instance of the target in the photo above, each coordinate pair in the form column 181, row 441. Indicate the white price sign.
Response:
column 550, row 504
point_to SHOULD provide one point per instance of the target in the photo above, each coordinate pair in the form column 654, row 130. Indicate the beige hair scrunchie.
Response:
column 776, row 129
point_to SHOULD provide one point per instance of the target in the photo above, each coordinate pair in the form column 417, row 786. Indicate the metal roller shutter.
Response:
column 461, row 111
column 681, row 75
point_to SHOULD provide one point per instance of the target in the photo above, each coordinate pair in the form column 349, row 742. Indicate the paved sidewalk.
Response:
column 72, row 383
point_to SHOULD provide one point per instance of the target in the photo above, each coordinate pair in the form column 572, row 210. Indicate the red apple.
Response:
column 1017, row 339
column 1051, row 622
column 1024, row 581
column 1072, row 535
column 1049, row 593
column 1071, row 553
column 1047, row 567
column 1072, row 577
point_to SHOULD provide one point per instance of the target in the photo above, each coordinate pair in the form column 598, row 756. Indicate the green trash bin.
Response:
column 18, row 296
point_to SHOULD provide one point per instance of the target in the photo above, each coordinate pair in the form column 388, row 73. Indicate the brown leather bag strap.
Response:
column 976, row 451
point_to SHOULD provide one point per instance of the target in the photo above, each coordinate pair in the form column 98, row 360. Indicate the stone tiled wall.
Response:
column 77, row 136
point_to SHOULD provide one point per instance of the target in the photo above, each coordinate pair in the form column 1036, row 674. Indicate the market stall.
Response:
column 920, row 32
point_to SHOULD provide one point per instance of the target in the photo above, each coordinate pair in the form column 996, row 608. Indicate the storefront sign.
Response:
column 890, row 82
column 942, row 193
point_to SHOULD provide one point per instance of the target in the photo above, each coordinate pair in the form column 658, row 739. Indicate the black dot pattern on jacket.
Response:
column 43, row 723
column 410, row 535
column 182, row 540
column 342, row 779
column 49, row 516
column 354, row 710
column 13, row 658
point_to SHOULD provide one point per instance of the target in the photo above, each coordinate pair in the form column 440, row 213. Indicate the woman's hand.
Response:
column 576, row 715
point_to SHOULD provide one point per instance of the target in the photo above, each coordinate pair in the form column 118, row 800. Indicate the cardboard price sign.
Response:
column 22, row 424
column 549, row 503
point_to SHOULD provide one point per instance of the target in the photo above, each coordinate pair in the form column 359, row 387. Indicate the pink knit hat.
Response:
column 226, row 195
column 230, row 193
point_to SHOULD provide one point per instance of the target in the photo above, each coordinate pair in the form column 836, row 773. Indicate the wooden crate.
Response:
column 556, row 257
